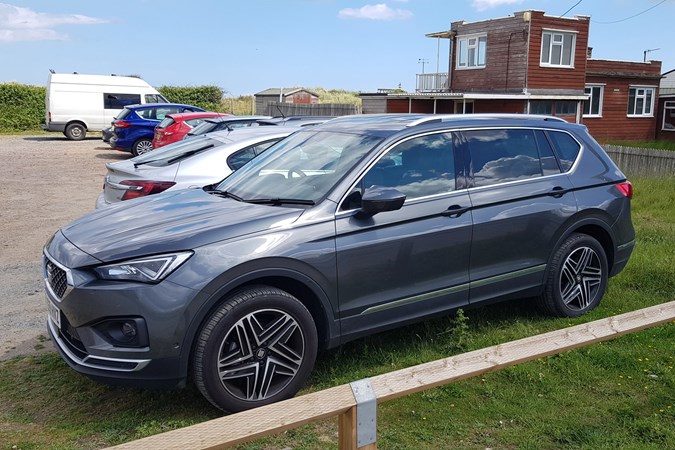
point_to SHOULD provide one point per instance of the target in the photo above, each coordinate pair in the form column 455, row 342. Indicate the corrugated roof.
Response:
column 285, row 91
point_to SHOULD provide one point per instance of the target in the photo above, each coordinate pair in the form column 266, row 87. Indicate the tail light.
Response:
column 626, row 188
column 121, row 124
column 141, row 188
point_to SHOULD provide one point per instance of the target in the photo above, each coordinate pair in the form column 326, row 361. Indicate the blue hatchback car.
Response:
column 134, row 127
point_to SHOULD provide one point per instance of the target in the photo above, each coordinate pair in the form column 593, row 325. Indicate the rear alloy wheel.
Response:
column 75, row 132
column 141, row 146
column 577, row 277
column 257, row 348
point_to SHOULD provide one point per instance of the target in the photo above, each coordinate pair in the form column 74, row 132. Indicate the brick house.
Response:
column 538, row 64
column 665, row 122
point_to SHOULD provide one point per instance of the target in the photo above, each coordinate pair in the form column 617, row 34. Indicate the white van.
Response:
column 78, row 103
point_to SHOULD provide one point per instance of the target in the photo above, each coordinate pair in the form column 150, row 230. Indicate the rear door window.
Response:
column 119, row 101
column 502, row 155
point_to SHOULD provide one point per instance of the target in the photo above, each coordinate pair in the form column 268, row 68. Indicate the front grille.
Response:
column 56, row 277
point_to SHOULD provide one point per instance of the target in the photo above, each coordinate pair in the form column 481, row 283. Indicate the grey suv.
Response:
column 344, row 229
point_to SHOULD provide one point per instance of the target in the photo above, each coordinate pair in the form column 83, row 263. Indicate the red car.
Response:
column 175, row 126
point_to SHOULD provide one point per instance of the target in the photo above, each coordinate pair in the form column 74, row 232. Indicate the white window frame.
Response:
column 668, row 108
column 562, row 34
column 590, row 100
column 642, row 96
column 475, row 47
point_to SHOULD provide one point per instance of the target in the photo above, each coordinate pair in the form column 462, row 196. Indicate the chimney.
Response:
column 589, row 52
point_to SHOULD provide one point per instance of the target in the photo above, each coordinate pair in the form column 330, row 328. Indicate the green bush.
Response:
column 207, row 97
column 22, row 106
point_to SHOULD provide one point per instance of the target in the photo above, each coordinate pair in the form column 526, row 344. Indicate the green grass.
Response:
column 618, row 394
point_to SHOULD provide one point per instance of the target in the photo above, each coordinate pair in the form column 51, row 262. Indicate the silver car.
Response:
column 193, row 163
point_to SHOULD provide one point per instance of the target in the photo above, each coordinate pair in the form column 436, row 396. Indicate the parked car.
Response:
column 134, row 127
column 192, row 163
column 343, row 229
column 107, row 134
column 296, row 121
column 224, row 123
column 174, row 126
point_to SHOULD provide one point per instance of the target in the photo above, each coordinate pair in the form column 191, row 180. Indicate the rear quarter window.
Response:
column 566, row 147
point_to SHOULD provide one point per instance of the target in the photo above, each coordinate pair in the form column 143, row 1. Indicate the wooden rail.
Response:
column 246, row 426
column 642, row 161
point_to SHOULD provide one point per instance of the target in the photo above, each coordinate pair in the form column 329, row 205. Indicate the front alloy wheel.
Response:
column 257, row 348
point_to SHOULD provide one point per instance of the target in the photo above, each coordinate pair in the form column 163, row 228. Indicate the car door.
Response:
column 400, row 265
column 520, row 199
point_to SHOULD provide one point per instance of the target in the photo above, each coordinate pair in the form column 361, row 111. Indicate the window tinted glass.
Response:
column 157, row 113
column 119, row 101
column 498, row 156
column 566, row 147
column 549, row 164
column 418, row 167
column 124, row 113
column 168, row 121
column 237, row 160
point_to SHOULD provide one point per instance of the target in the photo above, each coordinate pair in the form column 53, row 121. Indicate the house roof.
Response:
column 285, row 91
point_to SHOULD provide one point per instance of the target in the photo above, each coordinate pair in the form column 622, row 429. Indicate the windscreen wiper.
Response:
column 280, row 201
column 226, row 194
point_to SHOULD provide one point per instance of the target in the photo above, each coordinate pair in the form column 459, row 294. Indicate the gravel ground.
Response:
column 48, row 181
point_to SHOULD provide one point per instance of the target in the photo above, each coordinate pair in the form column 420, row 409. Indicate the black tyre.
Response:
column 257, row 348
column 141, row 146
column 75, row 132
column 576, row 279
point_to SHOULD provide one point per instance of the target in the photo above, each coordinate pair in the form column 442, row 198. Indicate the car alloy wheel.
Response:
column 142, row 146
column 256, row 348
column 576, row 277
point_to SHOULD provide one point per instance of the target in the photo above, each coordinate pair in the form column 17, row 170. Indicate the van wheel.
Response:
column 75, row 132
column 576, row 278
column 258, row 347
column 141, row 146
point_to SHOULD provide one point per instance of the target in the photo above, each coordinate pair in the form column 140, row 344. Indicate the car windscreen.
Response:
column 176, row 151
column 302, row 168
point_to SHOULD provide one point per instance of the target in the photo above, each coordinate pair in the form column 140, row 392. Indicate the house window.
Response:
column 557, row 49
column 668, row 116
column 640, row 101
column 471, row 52
column 593, row 106
column 555, row 108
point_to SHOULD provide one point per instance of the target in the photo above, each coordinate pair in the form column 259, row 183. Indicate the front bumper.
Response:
column 85, row 305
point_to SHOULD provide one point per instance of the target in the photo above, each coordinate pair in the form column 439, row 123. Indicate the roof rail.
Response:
column 449, row 117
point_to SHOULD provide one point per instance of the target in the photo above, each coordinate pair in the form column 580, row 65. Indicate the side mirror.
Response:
column 378, row 199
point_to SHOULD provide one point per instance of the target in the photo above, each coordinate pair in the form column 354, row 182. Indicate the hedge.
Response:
column 22, row 106
column 207, row 97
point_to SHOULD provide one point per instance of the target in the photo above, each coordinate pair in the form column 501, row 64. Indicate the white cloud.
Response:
column 23, row 24
column 375, row 12
column 482, row 5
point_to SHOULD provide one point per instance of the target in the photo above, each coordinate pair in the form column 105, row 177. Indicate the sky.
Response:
column 246, row 46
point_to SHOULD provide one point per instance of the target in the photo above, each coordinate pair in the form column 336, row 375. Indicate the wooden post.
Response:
column 347, row 432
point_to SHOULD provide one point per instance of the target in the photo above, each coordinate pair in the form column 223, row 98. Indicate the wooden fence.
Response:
column 340, row 401
column 319, row 109
column 643, row 161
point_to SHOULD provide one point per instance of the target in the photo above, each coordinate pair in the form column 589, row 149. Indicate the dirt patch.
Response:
column 48, row 181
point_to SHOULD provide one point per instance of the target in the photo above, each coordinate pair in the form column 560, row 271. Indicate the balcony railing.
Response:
column 432, row 82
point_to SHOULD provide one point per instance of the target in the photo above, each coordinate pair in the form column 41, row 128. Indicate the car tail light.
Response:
column 626, row 188
column 141, row 188
column 121, row 124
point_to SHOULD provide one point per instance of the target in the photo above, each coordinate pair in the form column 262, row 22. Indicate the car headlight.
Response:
column 146, row 270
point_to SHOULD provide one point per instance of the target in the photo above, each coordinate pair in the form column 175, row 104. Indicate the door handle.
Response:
column 455, row 211
column 558, row 192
